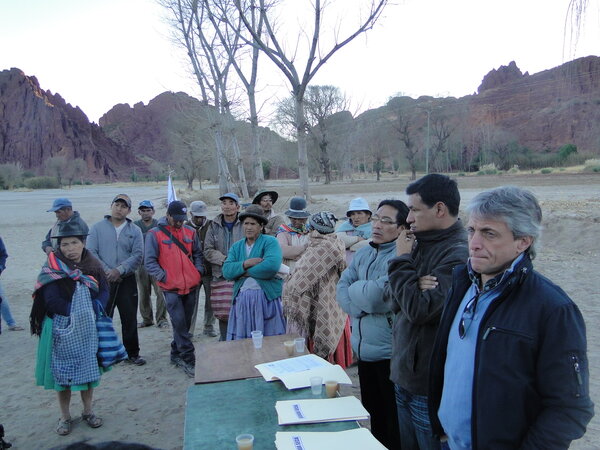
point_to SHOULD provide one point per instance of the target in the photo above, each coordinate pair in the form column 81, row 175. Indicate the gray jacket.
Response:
column 418, row 312
column 125, row 255
column 361, row 292
column 75, row 218
column 217, row 243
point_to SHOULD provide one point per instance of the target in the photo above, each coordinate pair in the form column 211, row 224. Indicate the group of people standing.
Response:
column 459, row 343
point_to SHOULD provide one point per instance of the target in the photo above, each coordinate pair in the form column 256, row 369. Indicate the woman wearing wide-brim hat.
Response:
column 356, row 231
column 57, row 297
column 266, row 200
column 252, row 263
column 293, row 237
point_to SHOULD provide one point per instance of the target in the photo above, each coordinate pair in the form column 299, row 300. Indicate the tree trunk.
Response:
column 259, row 176
column 224, row 175
column 240, row 165
column 302, row 150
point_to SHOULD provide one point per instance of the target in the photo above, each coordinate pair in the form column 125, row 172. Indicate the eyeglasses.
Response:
column 467, row 316
column 383, row 220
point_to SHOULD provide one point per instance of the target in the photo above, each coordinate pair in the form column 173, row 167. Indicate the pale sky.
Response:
column 97, row 53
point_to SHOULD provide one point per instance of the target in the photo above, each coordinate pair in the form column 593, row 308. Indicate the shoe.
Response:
column 189, row 368
column 176, row 360
column 15, row 328
column 64, row 426
column 145, row 324
column 210, row 332
column 163, row 324
column 92, row 420
column 137, row 360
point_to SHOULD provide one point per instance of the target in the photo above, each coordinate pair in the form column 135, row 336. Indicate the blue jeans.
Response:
column 413, row 422
column 5, row 309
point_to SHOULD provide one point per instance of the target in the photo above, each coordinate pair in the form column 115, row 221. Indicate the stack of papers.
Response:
column 295, row 373
column 358, row 439
column 290, row 412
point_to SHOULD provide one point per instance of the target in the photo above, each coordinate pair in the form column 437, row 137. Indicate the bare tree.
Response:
column 441, row 130
column 56, row 166
column 285, row 59
column 401, row 124
column 210, row 69
column 321, row 102
column 228, row 33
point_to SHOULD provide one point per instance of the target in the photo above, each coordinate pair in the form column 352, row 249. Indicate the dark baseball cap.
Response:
column 177, row 210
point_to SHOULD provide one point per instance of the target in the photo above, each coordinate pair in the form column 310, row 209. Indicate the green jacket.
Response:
column 265, row 247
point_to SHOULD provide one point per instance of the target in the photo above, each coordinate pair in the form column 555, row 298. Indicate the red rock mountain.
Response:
column 36, row 125
column 541, row 112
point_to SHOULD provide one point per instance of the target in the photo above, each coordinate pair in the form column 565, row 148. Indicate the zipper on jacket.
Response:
column 505, row 331
column 359, row 337
column 577, row 371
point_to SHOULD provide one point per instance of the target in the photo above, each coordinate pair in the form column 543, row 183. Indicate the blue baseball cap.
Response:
column 232, row 196
column 60, row 203
column 146, row 204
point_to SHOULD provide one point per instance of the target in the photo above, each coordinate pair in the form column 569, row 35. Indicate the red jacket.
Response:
column 165, row 261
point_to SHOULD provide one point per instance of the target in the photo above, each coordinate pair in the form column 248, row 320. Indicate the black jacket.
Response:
column 418, row 313
column 530, row 386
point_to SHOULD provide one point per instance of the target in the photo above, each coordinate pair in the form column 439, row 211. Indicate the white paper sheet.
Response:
column 339, row 409
column 295, row 373
column 357, row 439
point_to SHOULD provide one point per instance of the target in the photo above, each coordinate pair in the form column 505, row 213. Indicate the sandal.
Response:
column 64, row 426
column 92, row 420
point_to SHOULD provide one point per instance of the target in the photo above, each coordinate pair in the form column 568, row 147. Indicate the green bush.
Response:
column 461, row 174
column 566, row 150
column 42, row 183
column 546, row 171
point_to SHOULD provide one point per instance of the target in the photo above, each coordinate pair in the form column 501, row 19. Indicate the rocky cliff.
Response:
column 36, row 125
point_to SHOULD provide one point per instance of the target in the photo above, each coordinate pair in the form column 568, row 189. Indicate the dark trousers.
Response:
column 124, row 297
column 378, row 397
column 181, row 310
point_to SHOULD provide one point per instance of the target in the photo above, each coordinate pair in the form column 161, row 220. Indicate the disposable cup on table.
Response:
column 257, row 338
column 289, row 347
column 299, row 343
column 316, row 385
column 331, row 388
column 245, row 442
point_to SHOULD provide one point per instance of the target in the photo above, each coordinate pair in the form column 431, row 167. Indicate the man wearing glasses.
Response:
column 509, row 367
column 420, row 277
column 361, row 293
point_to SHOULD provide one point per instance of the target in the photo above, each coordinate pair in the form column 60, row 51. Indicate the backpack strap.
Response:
column 176, row 241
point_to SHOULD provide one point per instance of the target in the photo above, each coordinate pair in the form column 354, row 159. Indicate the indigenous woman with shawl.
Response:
column 252, row 263
column 309, row 294
column 57, row 296
column 293, row 237
column 356, row 232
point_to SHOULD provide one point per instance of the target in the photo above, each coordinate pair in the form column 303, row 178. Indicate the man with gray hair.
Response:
column 509, row 366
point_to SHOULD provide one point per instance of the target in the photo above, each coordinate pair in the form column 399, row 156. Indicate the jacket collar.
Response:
column 424, row 237
column 518, row 270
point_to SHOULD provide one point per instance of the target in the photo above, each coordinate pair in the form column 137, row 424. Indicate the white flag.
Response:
column 171, row 195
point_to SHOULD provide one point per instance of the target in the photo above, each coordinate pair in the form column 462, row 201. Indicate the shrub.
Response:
column 566, row 150
column 546, row 171
column 42, row 183
column 514, row 170
column 592, row 165
column 461, row 174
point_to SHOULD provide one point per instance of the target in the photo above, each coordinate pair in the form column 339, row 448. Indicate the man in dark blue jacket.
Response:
column 509, row 367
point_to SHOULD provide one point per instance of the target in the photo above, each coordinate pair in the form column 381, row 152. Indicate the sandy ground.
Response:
column 147, row 404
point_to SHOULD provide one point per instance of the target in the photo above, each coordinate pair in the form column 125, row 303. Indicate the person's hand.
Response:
column 405, row 242
column 427, row 282
column 113, row 275
column 48, row 250
column 251, row 262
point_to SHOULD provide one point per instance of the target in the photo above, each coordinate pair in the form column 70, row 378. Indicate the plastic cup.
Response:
column 331, row 388
column 316, row 385
column 257, row 338
column 245, row 442
column 289, row 347
column 299, row 343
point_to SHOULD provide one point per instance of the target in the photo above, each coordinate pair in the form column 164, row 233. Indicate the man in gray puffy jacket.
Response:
column 361, row 292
